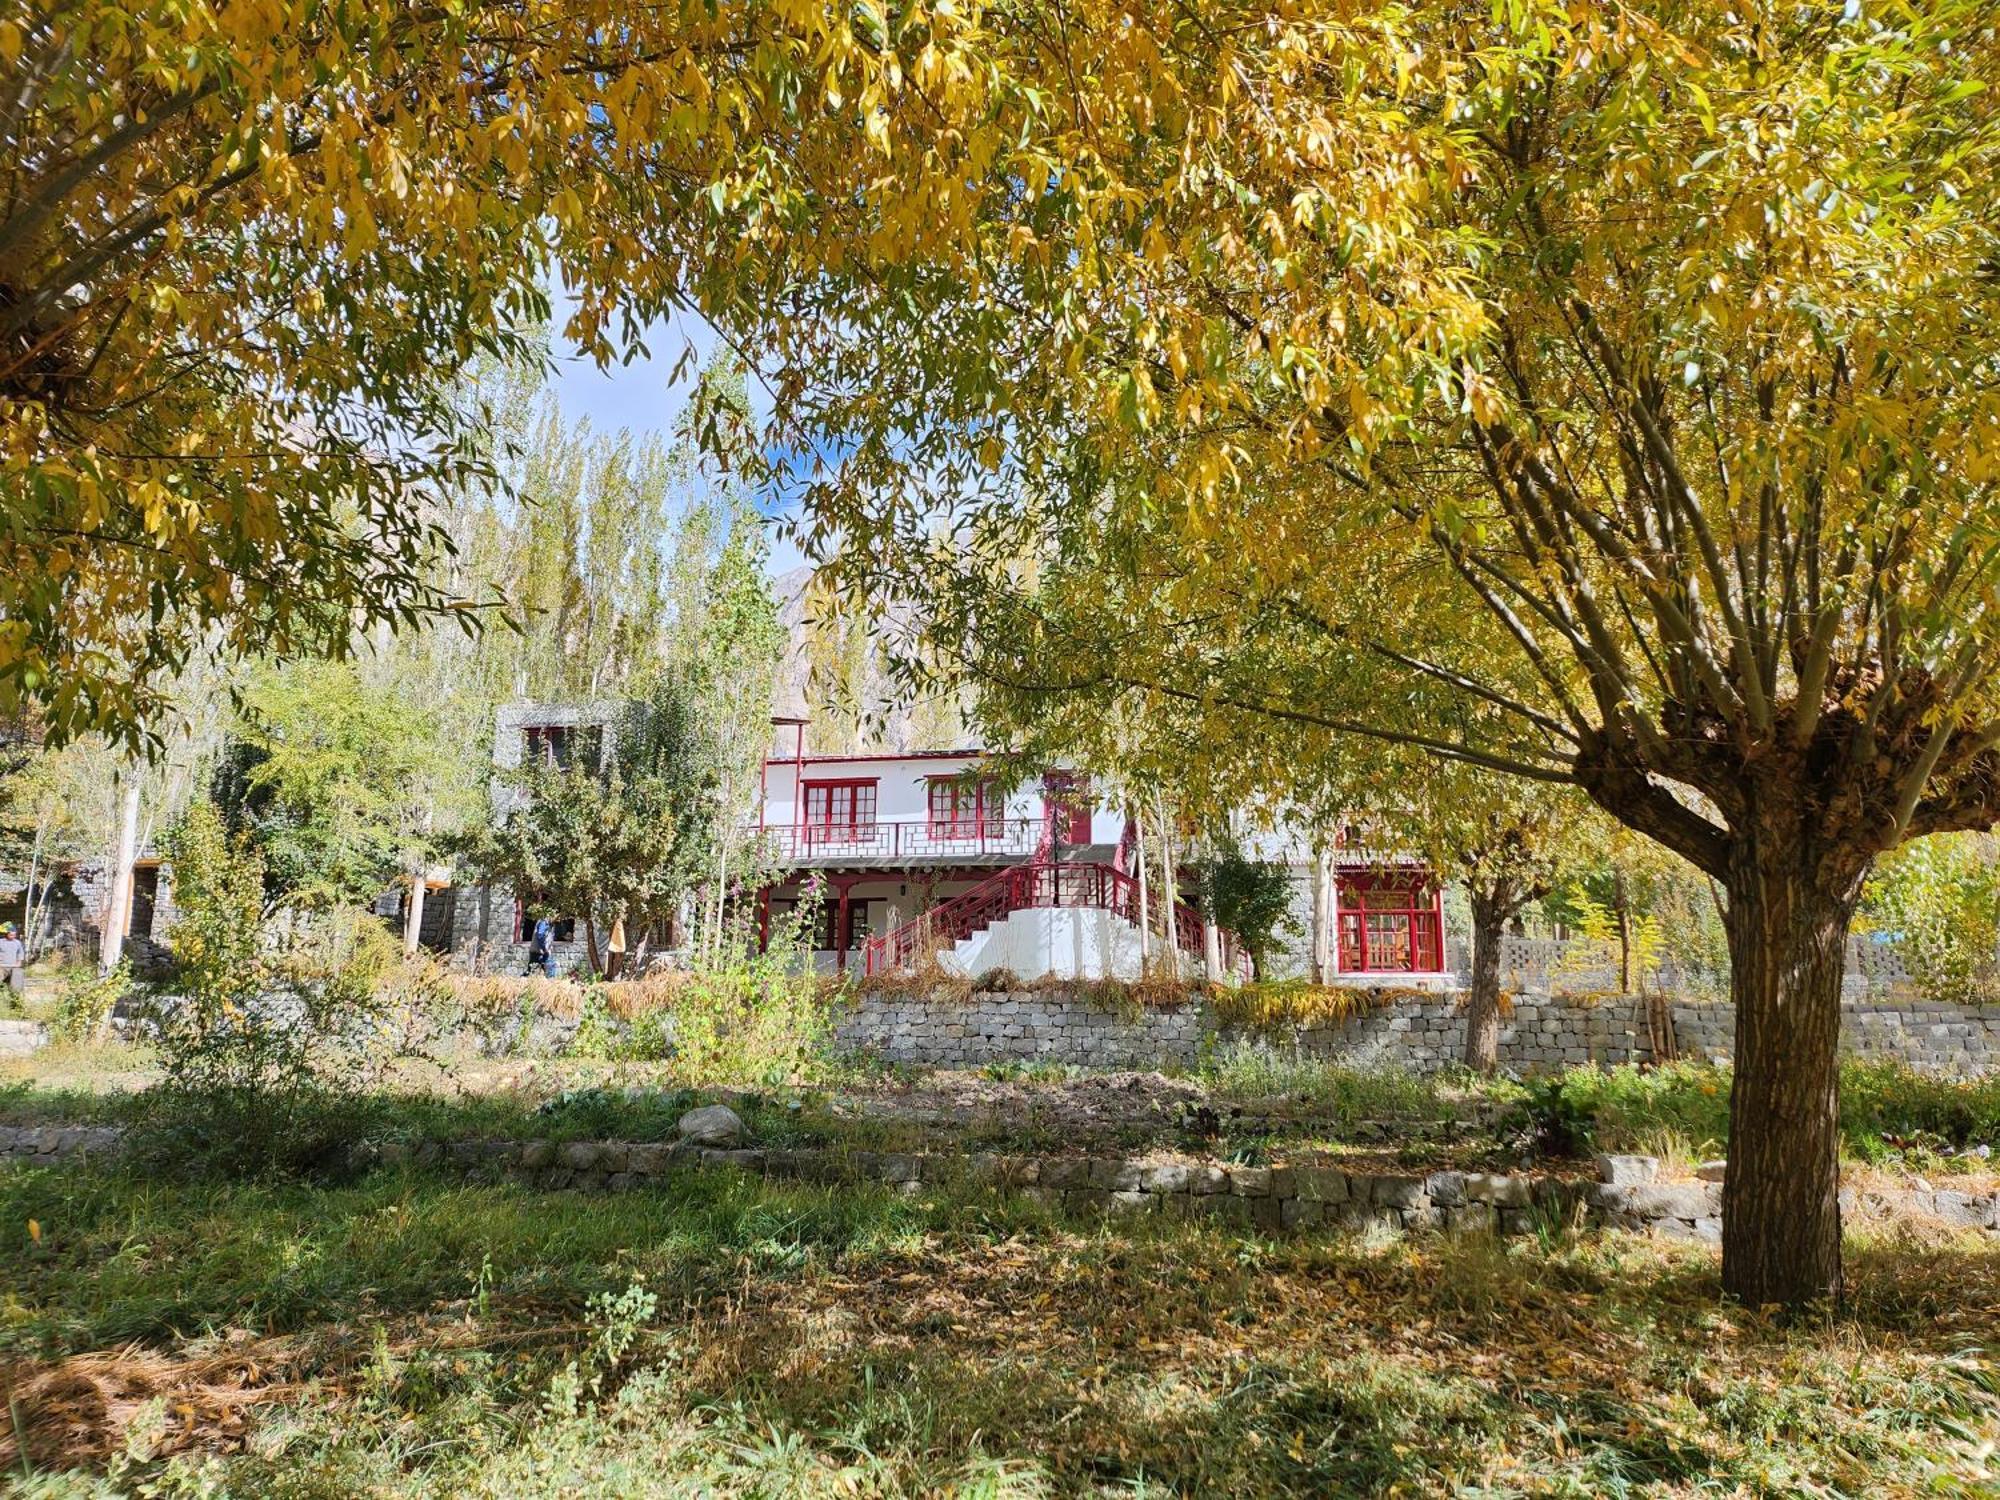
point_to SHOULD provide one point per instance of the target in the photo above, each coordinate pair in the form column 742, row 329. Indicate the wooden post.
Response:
column 111, row 940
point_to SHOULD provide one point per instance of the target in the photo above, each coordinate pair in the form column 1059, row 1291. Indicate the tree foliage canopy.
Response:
column 244, row 249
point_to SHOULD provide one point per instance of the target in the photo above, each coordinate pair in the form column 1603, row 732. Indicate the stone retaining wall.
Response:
column 1629, row 1196
column 1419, row 1032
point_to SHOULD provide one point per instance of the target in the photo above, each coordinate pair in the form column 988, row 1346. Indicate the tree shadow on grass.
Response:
column 938, row 1332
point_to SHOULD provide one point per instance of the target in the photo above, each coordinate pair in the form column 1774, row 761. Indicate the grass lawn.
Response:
column 725, row 1335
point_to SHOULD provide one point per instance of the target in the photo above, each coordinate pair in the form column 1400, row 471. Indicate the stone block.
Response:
column 1301, row 1213
column 1132, row 1201
column 1222, row 1206
column 618, row 1182
column 1628, row 1171
column 1115, row 1176
column 1267, row 1214
column 746, row 1161
column 897, row 1166
column 1517, row 1221
column 1445, row 1189
column 1250, row 1182
column 1398, row 1192
column 1086, row 1201
column 580, row 1156
column 1965, row 1210
column 1065, row 1171
column 1321, row 1184
column 615, row 1156
column 1674, row 1200
column 1498, row 1189
column 649, row 1158
column 1203, row 1181
column 1471, row 1218
column 1712, row 1171
column 1167, row 1177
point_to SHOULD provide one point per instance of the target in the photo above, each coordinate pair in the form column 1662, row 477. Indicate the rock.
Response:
column 712, row 1125
column 1500, row 1191
column 1628, row 1171
column 1712, row 1171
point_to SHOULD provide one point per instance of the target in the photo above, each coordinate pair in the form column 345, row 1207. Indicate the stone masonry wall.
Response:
column 1628, row 1195
column 1421, row 1033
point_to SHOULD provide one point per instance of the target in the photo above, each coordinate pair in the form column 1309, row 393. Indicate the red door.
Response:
column 1068, row 796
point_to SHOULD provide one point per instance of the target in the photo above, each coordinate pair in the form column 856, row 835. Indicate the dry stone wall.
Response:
column 1422, row 1033
column 1627, row 1195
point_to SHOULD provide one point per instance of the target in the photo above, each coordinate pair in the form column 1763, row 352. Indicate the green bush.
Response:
column 85, row 1000
column 267, row 1055
column 1939, row 899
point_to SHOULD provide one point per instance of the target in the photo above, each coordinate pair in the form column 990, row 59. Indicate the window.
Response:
column 564, row 928
column 826, row 919
column 961, row 809
column 839, row 810
column 1389, row 924
column 559, row 745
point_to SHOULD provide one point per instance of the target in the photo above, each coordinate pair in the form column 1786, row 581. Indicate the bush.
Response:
column 1939, row 900
column 267, row 1056
column 85, row 1001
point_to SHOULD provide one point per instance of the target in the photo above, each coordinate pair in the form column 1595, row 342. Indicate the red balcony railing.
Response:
column 1020, row 889
column 887, row 841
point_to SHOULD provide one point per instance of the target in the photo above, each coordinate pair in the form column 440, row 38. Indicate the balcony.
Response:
column 892, row 842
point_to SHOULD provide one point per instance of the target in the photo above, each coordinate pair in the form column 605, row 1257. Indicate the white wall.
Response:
column 1070, row 942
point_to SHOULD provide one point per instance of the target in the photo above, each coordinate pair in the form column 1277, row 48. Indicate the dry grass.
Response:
column 405, row 1336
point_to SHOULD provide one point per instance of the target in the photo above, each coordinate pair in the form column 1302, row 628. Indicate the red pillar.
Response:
column 840, row 932
column 764, row 920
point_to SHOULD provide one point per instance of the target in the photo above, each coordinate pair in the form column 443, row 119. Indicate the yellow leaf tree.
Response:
column 1660, row 338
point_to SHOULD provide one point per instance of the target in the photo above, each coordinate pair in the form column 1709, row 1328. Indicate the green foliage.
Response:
column 743, row 1364
column 219, row 901
column 265, row 1056
column 85, row 1000
column 1250, row 897
column 1938, row 900
column 1885, row 1108
column 629, row 835
column 341, row 775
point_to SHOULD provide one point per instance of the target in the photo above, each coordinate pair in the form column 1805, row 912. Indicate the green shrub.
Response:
column 267, row 1056
column 85, row 1000
column 1939, row 899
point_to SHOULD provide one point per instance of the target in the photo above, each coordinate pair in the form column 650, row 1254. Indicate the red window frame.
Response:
column 962, row 809
column 1390, row 924
column 825, row 813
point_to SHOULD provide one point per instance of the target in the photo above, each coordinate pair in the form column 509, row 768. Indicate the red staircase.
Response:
column 1022, row 888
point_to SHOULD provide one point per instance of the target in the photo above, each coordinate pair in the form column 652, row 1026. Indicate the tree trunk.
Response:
column 590, row 945
column 1787, row 923
column 1624, row 906
column 413, row 915
column 111, row 938
column 1490, row 907
column 1322, row 916
column 1145, row 895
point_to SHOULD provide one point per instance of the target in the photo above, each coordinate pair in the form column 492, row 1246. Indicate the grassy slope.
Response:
column 410, row 1336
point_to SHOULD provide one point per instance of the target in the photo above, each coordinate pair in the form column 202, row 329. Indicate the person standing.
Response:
column 13, row 958
column 541, row 948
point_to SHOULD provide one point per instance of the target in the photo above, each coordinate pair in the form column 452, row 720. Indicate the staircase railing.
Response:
column 1022, row 888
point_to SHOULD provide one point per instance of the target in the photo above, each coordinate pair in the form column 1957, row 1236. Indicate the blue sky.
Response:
column 643, row 397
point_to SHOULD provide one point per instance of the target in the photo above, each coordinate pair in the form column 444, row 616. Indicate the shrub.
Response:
column 267, row 1056
column 1939, row 899
column 85, row 1001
